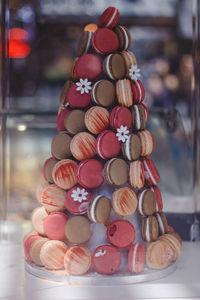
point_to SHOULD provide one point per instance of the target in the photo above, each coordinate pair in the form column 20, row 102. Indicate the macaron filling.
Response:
column 134, row 262
column 137, row 115
column 140, row 202
column 127, row 148
column 147, row 233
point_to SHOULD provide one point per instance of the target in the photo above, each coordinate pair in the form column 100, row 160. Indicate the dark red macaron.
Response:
column 76, row 200
column 76, row 99
column 88, row 66
column 138, row 91
column 120, row 116
column 120, row 233
column 61, row 117
column 105, row 41
column 109, row 17
column 159, row 202
column 107, row 145
column 90, row 173
column 152, row 176
column 106, row 259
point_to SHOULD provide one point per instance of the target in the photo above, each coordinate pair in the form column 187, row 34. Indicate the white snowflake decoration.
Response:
column 122, row 133
column 134, row 72
column 83, row 86
column 79, row 195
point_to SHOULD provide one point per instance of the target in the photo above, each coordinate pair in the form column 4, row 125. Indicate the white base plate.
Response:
column 93, row 278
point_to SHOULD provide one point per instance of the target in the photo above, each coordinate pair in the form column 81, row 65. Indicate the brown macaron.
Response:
column 99, row 209
column 138, row 117
column 60, row 146
column 124, row 37
column 146, row 203
column 63, row 95
column 116, row 172
column 74, row 121
column 78, row 230
column 84, row 42
column 114, row 66
column 162, row 222
column 149, row 229
column 131, row 149
column 48, row 168
column 103, row 93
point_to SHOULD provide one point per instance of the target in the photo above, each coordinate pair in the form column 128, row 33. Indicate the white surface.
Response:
column 16, row 284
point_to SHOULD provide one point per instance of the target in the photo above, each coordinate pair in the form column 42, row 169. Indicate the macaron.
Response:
column 146, row 111
column 149, row 229
column 129, row 59
column 85, row 42
column 159, row 202
column 124, row 92
column 27, row 245
column 124, row 37
column 105, row 41
column 77, row 260
column 138, row 91
column 120, row 116
column 74, row 121
column 106, row 259
column 124, row 201
column 63, row 95
column 172, row 232
column 78, row 230
column 52, row 254
column 82, row 145
column 103, row 93
column 30, row 233
column 76, row 200
column 97, row 119
column 162, row 222
column 114, row 66
column 109, row 17
column 73, row 76
column 159, row 255
column 99, row 209
column 146, row 203
column 120, row 233
column 54, row 225
column 37, row 218
column 60, row 146
column 147, row 142
column 64, row 174
column 116, row 171
column 107, row 145
column 61, row 117
column 88, row 66
column 78, row 94
column 89, row 173
column 138, row 117
column 53, row 198
column 152, row 176
column 48, row 168
column 173, row 239
column 136, row 174
column 35, row 250
column 131, row 148
column 136, row 258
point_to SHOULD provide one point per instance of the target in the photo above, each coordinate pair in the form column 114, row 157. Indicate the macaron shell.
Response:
column 120, row 116
column 103, row 93
column 77, row 260
column 174, row 241
column 147, row 142
column 138, row 117
column 35, row 250
column 73, row 205
column 37, row 218
column 136, row 174
column 48, row 168
column 152, row 176
column 84, row 42
column 106, row 259
column 54, row 225
column 88, row 66
column 97, row 119
column 136, row 258
column 52, row 254
column 124, row 201
column 60, row 146
column 123, row 37
column 76, row 99
column 99, row 211
column 131, row 149
column 130, row 59
column 105, row 41
column 78, row 230
column 159, row 202
column 30, row 233
column 64, row 174
column 73, row 76
column 124, row 92
column 120, row 233
column 162, row 222
column 89, row 173
column 114, row 66
column 107, row 145
column 53, row 198
column 138, row 91
column 61, row 117
column 149, row 229
column 27, row 245
column 109, row 17
column 146, row 203
column 116, row 172
column 74, row 121
column 83, row 145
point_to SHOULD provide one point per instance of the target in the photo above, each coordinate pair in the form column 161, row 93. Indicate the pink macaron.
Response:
column 61, row 117
column 105, row 41
column 106, row 259
column 120, row 116
column 88, row 66
column 120, row 233
column 54, row 225
column 79, row 97
column 136, row 258
column 27, row 245
column 109, row 17
column 76, row 200
column 107, row 145
column 90, row 173
column 159, row 202
column 138, row 91
column 151, row 174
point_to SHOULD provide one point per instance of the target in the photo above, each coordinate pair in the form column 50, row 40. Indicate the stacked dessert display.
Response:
column 101, row 211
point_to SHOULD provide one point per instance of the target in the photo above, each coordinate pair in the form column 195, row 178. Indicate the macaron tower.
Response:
column 101, row 209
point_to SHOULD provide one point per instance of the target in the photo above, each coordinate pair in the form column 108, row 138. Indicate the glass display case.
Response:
column 38, row 46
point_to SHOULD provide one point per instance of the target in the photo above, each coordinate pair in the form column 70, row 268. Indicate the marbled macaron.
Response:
column 120, row 233
column 27, row 245
column 74, row 121
column 131, row 149
column 149, row 229
column 116, row 172
column 114, row 66
column 97, row 119
column 124, row 92
column 77, row 260
column 99, row 209
column 124, row 37
column 103, row 93
column 35, row 249
column 76, row 200
column 78, row 230
column 37, row 218
column 64, row 174
column 82, row 145
column 146, row 202
column 53, row 198
column 124, row 201
column 60, row 146
column 162, row 222
column 147, row 142
column 136, row 174
column 48, row 168
column 138, row 117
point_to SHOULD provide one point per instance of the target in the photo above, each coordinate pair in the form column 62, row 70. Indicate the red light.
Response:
column 18, row 34
column 18, row 49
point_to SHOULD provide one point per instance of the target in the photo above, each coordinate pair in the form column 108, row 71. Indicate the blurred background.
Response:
column 41, row 41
